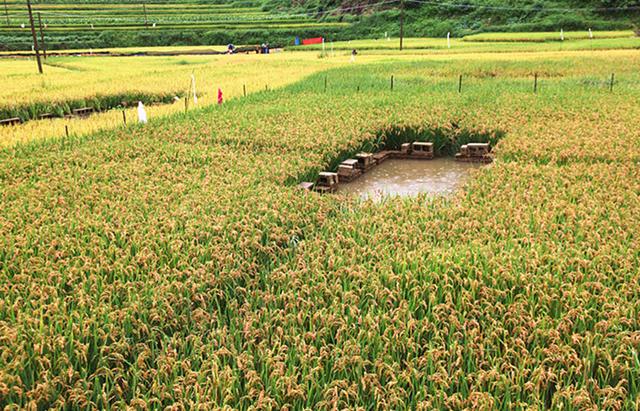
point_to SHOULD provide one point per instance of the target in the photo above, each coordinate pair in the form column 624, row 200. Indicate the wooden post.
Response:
column 124, row 117
column 35, row 38
column 66, row 130
column 44, row 48
column 401, row 23
column 358, row 88
column 392, row 82
column 186, row 103
column 460, row 84
column 325, row 84
column 613, row 79
column 535, row 84
column 244, row 90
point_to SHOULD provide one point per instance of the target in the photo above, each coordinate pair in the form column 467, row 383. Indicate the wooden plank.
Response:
column 10, row 121
column 85, row 111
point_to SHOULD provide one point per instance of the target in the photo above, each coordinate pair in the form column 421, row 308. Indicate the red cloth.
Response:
column 220, row 96
column 315, row 40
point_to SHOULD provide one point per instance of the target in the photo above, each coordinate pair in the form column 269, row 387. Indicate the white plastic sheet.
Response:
column 142, row 113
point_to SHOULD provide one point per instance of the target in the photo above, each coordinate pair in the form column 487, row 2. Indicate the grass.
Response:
column 175, row 264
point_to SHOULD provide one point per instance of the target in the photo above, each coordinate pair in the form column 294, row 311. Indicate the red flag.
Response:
column 315, row 40
column 220, row 99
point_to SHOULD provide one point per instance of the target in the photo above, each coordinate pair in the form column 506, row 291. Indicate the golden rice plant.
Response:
column 176, row 265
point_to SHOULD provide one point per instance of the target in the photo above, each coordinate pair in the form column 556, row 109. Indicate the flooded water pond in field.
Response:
column 440, row 176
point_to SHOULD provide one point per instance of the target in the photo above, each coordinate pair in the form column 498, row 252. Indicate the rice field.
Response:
column 176, row 264
column 99, row 23
column 106, row 15
column 548, row 36
column 491, row 43
column 73, row 82
column 114, row 84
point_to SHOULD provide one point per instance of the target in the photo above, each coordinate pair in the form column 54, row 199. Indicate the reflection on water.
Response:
column 440, row 176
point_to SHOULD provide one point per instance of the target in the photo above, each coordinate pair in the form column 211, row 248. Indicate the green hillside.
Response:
column 100, row 23
column 428, row 16
column 431, row 18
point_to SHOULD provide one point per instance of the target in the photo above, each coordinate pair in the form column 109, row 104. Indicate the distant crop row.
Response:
column 137, row 6
column 98, row 14
column 96, row 103
column 610, row 40
column 70, row 22
column 70, row 18
column 115, row 18
column 199, row 26
column 547, row 36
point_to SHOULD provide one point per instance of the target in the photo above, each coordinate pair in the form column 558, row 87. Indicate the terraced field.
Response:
column 176, row 264
column 93, row 23
column 73, row 16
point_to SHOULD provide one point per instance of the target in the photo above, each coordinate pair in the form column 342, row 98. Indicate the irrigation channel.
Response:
column 395, row 177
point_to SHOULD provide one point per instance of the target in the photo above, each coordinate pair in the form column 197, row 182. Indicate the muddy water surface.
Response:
column 440, row 176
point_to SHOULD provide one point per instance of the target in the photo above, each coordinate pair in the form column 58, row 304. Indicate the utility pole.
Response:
column 44, row 48
column 146, row 21
column 6, row 13
column 401, row 23
column 35, row 38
